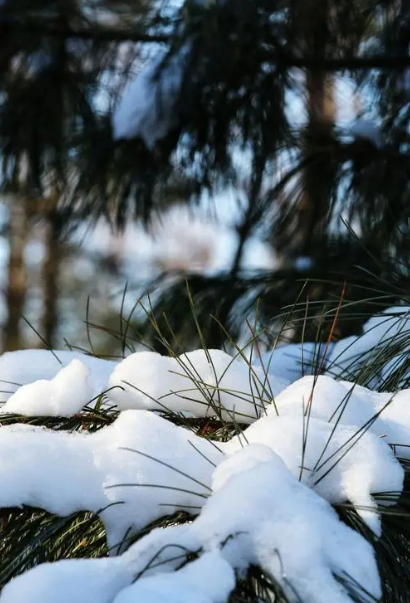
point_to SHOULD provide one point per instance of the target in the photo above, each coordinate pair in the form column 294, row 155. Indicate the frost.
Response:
column 62, row 396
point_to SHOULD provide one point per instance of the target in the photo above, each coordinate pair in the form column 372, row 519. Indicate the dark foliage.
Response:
column 63, row 66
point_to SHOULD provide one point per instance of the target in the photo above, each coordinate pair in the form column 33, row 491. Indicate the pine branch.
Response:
column 283, row 60
column 96, row 34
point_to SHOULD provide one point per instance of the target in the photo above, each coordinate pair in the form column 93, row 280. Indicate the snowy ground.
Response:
column 263, row 498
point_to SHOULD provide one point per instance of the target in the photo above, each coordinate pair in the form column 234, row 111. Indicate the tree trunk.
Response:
column 321, row 110
column 17, row 274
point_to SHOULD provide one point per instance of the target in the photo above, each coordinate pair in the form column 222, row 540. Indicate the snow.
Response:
column 147, row 107
column 63, row 396
column 79, row 581
column 384, row 414
column 292, row 361
column 333, row 401
column 209, row 579
column 392, row 326
column 295, row 536
column 261, row 499
column 389, row 323
column 340, row 462
column 68, row 472
column 179, row 238
column 200, row 383
column 366, row 129
column 397, row 369
column 26, row 366
column 182, row 240
column 189, row 241
column 100, row 580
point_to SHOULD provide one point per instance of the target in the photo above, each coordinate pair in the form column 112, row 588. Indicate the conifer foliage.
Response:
column 117, row 105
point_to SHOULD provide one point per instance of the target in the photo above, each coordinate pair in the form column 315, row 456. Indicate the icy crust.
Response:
column 279, row 524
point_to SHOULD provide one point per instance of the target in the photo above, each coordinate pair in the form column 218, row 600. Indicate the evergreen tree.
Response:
column 211, row 109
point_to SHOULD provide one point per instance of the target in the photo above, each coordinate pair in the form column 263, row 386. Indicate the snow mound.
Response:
column 209, row 579
column 261, row 499
column 26, row 366
column 341, row 463
column 79, row 581
column 199, row 383
column 293, row 534
column 126, row 472
column 64, row 395
column 384, row 414
column 278, row 524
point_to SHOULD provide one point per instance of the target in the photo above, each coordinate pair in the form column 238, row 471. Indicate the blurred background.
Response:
column 201, row 168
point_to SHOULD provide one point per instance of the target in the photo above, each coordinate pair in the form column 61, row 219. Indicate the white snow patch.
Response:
column 262, row 498
column 209, row 579
column 384, row 414
column 63, row 396
column 333, row 401
column 341, row 463
column 200, row 383
column 26, row 366
column 392, row 326
column 276, row 523
column 79, row 581
column 294, row 534
column 68, row 472
column 147, row 107
column 180, row 240
column 365, row 129
column 292, row 361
